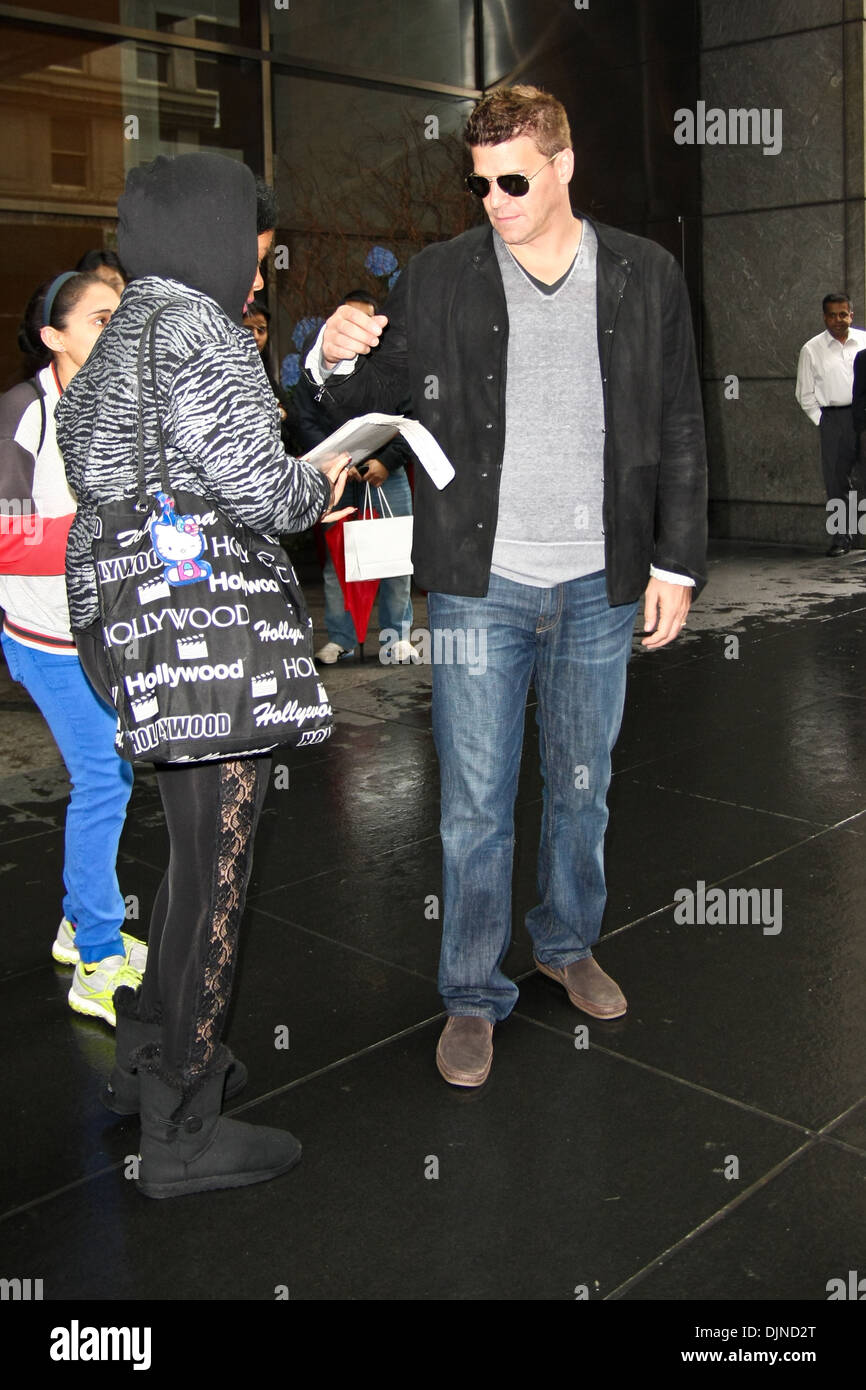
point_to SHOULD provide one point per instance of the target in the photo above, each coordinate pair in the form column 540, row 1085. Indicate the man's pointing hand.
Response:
column 350, row 332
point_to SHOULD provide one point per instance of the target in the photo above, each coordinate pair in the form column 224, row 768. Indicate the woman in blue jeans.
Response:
column 61, row 324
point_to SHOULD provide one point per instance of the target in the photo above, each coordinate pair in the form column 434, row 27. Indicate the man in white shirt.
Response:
column 825, row 381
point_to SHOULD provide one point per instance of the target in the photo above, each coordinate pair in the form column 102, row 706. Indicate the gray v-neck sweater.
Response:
column 549, row 528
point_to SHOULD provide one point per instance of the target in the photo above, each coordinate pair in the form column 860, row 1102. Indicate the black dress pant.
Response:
column 838, row 451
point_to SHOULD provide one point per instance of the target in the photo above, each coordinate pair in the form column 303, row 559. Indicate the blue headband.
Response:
column 56, row 285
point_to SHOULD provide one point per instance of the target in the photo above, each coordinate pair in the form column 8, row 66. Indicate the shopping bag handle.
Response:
column 368, row 505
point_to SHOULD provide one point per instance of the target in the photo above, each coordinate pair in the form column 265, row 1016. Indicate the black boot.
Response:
column 187, row 1146
column 120, row 1094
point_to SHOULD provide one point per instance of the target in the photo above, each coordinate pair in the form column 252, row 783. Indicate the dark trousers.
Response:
column 211, row 812
column 838, row 451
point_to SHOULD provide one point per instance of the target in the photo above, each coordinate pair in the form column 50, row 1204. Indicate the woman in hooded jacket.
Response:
column 187, row 234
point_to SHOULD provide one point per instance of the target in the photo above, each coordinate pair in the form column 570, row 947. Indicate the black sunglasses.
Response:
column 515, row 185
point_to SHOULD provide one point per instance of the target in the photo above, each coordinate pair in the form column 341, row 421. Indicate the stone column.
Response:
column 780, row 230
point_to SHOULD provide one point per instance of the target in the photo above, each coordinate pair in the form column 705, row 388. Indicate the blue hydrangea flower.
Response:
column 392, row 279
column 290, row 370
column 380, row 261
column 303, row 329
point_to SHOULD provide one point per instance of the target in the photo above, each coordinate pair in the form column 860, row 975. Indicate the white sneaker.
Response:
column 65, row 951
column 331, row 652
column 402, row 652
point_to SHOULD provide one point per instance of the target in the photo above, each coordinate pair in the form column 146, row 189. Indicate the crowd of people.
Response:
column 557, row 523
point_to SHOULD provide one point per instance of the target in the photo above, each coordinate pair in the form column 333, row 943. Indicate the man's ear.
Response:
column 565, row 166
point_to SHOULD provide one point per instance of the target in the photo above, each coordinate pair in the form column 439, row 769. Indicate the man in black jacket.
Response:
column 553, row 359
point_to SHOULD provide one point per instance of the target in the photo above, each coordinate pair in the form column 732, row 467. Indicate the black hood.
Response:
column 192, row 219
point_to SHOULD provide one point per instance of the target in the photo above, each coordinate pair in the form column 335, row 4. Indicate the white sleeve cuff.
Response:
column 669, row 577
column 315, row 366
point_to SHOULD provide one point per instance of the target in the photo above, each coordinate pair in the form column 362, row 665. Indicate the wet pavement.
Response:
column 709, row 1146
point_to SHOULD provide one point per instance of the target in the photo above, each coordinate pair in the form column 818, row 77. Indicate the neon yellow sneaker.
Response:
column 65, row 951
column 93, row 986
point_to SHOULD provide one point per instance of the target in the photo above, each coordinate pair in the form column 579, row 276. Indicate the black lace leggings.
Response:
column 211, row 812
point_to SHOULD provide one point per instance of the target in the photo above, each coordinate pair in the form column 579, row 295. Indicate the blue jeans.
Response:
column 83, row 727
column 574, row 647
column 395, row 603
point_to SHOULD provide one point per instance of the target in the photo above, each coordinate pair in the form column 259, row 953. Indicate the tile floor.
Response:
column 710, row 1146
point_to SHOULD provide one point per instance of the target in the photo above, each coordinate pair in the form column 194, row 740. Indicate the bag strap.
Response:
column 40, row 396
column 380, row 497
column 148, row 334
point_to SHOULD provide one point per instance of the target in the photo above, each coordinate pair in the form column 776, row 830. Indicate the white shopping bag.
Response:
column 380, row 547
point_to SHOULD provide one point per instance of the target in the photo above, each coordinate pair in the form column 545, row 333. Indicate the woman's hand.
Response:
column 335, row 472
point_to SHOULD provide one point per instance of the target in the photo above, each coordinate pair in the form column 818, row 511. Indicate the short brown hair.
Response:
column 506, row 113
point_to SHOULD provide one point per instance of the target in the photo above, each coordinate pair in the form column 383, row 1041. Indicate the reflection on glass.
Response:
column 219, row 21
column 77, row 114
column 432, row 42
column 354, row 210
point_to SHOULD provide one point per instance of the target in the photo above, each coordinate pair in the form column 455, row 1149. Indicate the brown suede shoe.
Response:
column 589, row 988
column 465, row 1052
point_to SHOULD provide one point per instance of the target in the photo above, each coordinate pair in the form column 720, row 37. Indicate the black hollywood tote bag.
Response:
column 207, row 636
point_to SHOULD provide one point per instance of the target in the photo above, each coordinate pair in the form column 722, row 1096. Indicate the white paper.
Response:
column 366, row 434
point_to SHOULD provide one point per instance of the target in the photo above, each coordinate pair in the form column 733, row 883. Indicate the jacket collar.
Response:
column 156, row 289
column 610, row 239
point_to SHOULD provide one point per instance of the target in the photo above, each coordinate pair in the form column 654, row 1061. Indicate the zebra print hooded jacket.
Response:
column 219, row 418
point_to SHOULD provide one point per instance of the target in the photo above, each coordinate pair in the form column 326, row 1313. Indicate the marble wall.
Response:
column 779, row 230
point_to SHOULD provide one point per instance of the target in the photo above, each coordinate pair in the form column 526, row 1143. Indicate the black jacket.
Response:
column 312, row 419
column 446, row 348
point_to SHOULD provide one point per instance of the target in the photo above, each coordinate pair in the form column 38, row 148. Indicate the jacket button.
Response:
column 489, row 376
column 496, row 328
column 484, row 475
column 489, row 425
column 479, row 525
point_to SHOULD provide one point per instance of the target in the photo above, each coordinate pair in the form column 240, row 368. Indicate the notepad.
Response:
column 367, row 434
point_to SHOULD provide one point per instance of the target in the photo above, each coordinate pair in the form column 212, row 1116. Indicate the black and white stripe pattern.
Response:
column 219, row 418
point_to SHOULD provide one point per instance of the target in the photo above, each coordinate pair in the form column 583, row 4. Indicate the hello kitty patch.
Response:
column 179, row 542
